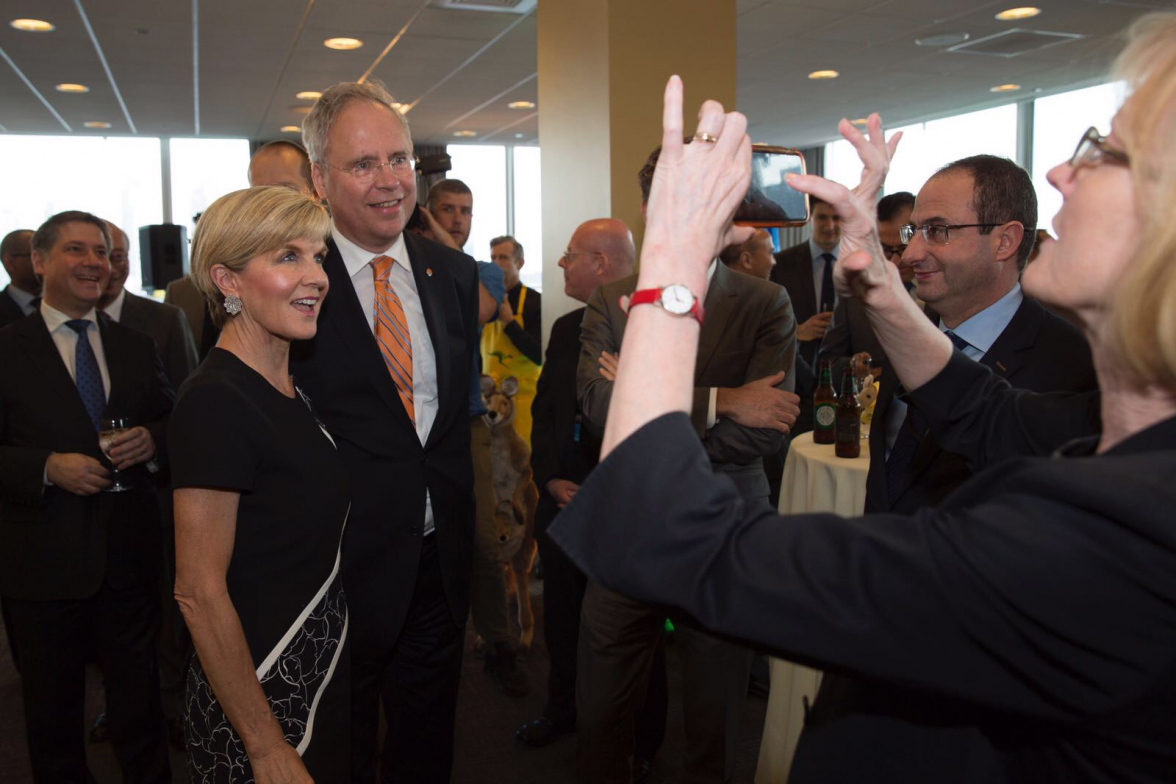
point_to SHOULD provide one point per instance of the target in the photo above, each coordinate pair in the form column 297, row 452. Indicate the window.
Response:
column 528, row 214
column 1058, row 123
column 116, row 178
column 203, row 170
column 483, row 168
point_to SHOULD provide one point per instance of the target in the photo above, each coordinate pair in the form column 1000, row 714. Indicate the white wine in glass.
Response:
column 108, row 430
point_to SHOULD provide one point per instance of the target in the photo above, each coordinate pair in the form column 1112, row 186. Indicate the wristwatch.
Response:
column 675, row 299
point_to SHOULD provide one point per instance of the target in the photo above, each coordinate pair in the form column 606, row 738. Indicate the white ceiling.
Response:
column 460, row 68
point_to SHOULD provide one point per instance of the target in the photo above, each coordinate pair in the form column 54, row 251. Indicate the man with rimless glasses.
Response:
column 967, row 241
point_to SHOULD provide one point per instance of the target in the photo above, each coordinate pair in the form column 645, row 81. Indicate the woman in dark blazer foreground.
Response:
column 1039, row 601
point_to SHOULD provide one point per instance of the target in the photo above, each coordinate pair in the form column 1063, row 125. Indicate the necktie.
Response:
column 86, row 373
column 827, row 284
column 392, row 335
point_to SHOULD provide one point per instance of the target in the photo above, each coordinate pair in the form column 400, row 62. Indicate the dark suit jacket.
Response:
column 850, row 333
column 1037, row 351
column 794, row 271
column 748, row 332
column 9, row 310
column 1038, row 602
column 343, row 372
column 168, row 327
column 54, row 544
column 556, row 453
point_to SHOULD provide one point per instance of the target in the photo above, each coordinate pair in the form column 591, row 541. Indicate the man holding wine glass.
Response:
column 79, row 566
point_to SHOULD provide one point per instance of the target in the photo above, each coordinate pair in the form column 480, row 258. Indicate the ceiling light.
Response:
column 520, row 135
column 32, row 25
column 1013, row 14
column 72, row 88
column 308, row 95
column 824, row 75
column 291, row 128
column 521, row 104
column 859, row 122
column 96, row 124
column 342, row 43
column 1004, row 88
column 400, row 107
column 465, row 133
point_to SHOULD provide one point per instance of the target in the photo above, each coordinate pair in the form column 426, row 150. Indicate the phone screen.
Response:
column 770, row 201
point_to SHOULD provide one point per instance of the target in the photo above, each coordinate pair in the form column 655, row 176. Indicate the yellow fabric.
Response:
column 501, row 360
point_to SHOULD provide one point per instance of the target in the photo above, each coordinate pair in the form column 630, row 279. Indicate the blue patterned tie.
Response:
column 87, row 374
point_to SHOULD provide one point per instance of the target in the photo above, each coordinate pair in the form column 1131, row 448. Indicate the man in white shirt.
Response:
column 389, row 373
column 79, row 567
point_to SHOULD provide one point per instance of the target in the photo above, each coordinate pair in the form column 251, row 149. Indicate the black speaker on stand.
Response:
column 163, row 251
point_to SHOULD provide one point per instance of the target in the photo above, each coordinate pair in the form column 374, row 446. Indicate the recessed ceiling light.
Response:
column 291, row 128
column 946, row 39
column 96, row 124
column 1004, row 88
column 72, row 88
column 302, row 109
column 862, row 121
column 308, row 95
column 342, row 43
column 824, row 75
column 1013, row 14
column 520, row 135
column 32, row 25
column 465, row 133
column 399, row 106
column 521, row 104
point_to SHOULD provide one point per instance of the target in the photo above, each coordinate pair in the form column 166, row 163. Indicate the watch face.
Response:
column 677, row 299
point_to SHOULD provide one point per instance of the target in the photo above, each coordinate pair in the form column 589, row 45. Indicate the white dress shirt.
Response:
column 816, row 251
column 114, row 309
column 425, row 397
column 21, row 298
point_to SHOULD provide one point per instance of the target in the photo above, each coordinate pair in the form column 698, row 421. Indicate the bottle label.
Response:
column 825, row 415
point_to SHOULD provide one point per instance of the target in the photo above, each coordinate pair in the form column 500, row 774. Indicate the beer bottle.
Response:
column 849, row 418
column 825, row 406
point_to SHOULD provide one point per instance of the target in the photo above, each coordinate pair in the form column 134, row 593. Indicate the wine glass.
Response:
column 108, row 430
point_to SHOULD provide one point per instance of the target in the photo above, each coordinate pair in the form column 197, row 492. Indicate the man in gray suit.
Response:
column 164, row 324
column 742, row 407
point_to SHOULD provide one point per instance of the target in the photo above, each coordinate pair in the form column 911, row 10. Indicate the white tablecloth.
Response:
column 815, row 480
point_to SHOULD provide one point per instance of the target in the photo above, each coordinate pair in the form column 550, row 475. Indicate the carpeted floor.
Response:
column 486, row 752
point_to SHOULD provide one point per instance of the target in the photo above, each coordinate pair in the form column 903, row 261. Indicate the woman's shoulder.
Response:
column 221, row 382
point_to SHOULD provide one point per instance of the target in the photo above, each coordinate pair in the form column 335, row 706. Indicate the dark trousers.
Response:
column 563, row 596
column 54, row 638
column 417, row 682
column 618, row 640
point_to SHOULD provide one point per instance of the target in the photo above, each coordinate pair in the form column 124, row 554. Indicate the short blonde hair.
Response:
column 331, row 104
column 1143, row 316
column 242, row 225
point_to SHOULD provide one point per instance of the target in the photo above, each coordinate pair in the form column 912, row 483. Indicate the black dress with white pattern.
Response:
column 232, row 430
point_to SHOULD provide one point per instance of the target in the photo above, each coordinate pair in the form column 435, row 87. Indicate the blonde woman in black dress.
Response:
column 260, row 505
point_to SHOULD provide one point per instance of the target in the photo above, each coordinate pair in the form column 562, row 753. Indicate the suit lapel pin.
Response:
column 429, row 271
column 1001, row 367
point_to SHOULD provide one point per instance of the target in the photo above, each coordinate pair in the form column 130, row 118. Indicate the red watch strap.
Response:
column 653, row 297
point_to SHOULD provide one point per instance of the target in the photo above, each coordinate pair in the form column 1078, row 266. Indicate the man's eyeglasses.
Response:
column 366, row 171
column 938, row 233
column 571, row 254
column 1093, row 150
column 893, row 250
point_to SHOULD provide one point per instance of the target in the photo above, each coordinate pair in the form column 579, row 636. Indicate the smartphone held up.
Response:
column 771, row 201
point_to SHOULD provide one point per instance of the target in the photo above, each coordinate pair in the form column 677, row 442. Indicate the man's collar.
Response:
column 114, row 309
column 20, row 296
column 982, row 329
column 817, row 251
column 356, row 258
column 54, row 318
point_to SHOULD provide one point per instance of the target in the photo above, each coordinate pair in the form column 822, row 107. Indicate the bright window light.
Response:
column 483, row 168
column 528, row 214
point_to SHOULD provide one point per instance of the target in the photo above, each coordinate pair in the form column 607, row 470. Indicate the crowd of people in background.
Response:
column 268, row 506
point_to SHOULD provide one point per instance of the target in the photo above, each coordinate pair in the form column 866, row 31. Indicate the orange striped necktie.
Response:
column 392, row 335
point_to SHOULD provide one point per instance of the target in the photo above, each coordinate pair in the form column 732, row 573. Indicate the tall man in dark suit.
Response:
column 973, row 227
column 389, row 372
column 748, row 340
column 806, row 272
column 164, row 324
column 17, row 299
column 79, row 567
column 563, row 452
